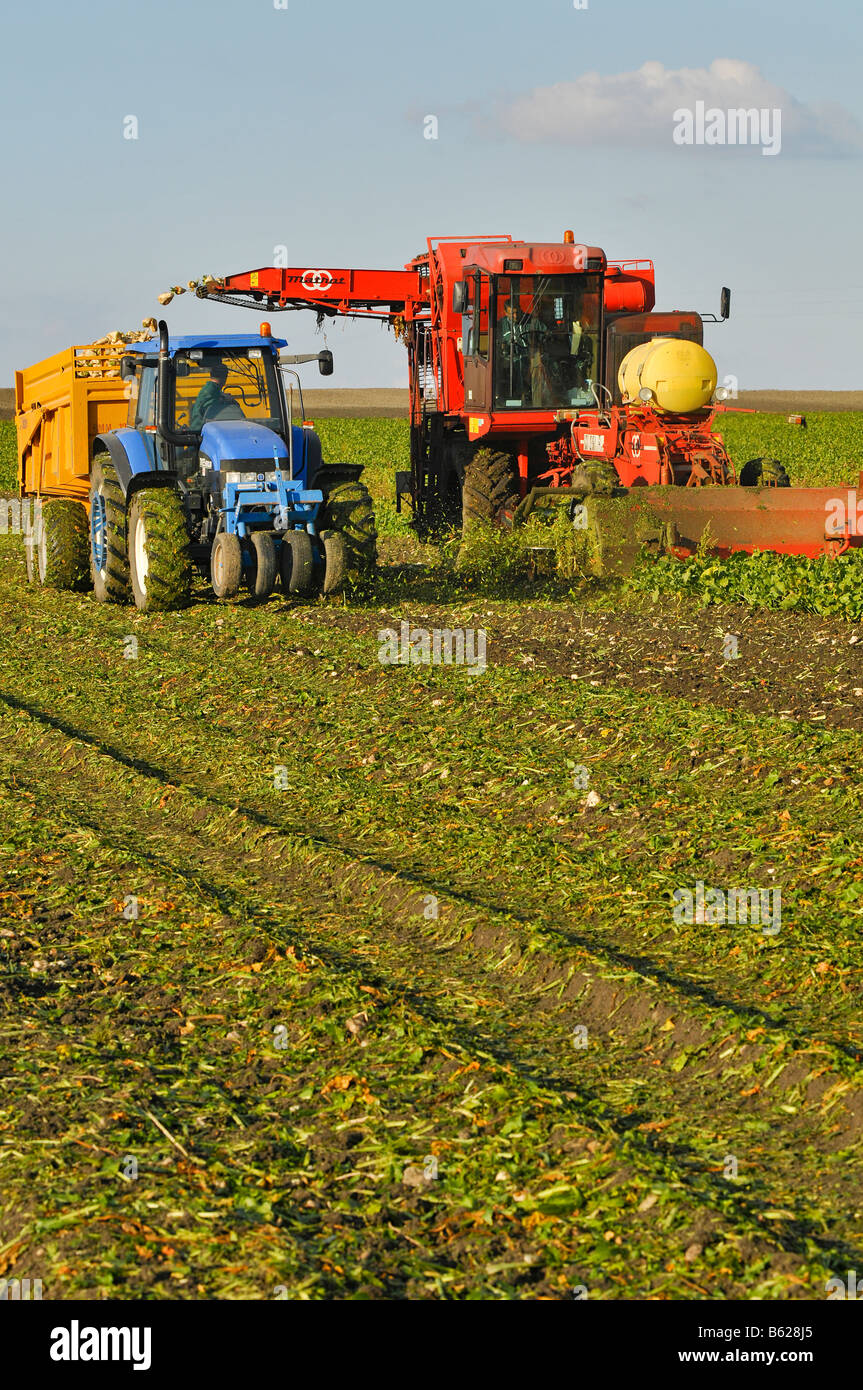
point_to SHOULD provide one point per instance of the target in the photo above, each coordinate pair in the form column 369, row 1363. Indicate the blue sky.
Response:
column 304, row 126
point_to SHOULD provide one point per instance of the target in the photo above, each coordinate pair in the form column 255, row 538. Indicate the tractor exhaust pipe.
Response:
column 181, row 438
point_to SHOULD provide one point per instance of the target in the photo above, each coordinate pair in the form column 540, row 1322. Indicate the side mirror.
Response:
column 325, row 362
column 725, row 302
column 128, row 368
column 460, row 296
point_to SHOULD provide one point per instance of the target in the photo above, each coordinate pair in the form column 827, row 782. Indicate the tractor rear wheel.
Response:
column 764, row 472
column 109, row 561
column 490, row 486
column 60, row 547
column 159, row 562
column 261, row 573
column 297, row 562
column 348, row 509
column 226, row 565
column 337, row 562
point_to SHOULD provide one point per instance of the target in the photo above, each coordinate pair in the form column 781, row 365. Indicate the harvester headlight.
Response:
column 722, row 393
column 645, row 394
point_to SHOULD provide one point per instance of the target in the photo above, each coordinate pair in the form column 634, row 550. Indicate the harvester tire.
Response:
column 297, row 562
column 261, row 572
column 109, row 561
column 159, row 562
column 226, row 565
column 764, row 472
column 336, row 562
column 61, row 545
column 348, row 509
column 490, row 486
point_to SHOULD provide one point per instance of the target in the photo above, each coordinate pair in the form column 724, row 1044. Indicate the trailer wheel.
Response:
column 109, row 562
column 262, row 570
column 226, row 565
column 348, row 509
column 60, row 549
column 336, row 562
column 159, row 562
column 297, row 562
column 490, row 486
column 764, row 472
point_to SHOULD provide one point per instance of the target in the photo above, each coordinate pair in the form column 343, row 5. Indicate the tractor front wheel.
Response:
column 262, row 568
column 109, row 563
column 764, row 473
column 297, row 562
column 159, row 561
column 337, row 562
column 226, row 565
column 490, row 487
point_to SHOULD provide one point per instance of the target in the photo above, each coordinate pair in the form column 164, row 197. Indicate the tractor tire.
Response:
column 490, row 486
column 226, row 565
column 60, row 546
column 764, row 472
column 348, row 509
column 109, row 561
column 261, row 573
column 336, row 562
column 160, row 566
column 297, row 563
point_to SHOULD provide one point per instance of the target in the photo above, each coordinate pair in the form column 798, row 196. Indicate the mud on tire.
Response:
column 490, row 484
column 109, row 562
column 60, row 545
column 348, row 509
column 159, row 560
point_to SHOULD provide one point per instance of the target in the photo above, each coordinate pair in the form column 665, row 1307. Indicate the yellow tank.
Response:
column 680, row 375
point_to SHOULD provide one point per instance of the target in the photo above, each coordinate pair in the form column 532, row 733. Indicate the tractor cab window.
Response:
column 226, row 385
column 145, row 404
column 546, row 341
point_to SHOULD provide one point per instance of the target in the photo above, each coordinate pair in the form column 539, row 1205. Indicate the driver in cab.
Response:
column 213, row 402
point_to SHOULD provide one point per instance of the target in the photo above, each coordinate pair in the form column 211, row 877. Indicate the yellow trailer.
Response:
column 61, row 405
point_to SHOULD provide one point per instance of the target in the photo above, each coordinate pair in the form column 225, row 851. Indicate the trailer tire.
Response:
column 336, row 562
column 160, row 566
column 226, row 565
column 348, row 509
column 261, row 573
column 764, row 472
column 109, row 560
column 490, row 487
column 297, row 563
column 61, row 547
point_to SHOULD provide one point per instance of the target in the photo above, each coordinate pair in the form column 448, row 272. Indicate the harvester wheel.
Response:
column 159, row 561
column 490, row 486
column 109, row 561
column 262, row 569
column 764, row 472
column 297, row 563
column 336, row 562
column 226, row 565
column 348, row 509
column 60, row 545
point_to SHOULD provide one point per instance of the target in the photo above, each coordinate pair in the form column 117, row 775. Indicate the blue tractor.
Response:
column 213, row 474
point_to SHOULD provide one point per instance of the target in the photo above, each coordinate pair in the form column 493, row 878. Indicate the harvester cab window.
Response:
column 477, row 336
column 546, row 341
column 239, row 385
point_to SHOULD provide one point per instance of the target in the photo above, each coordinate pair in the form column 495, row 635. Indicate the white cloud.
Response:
column 637, row 109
